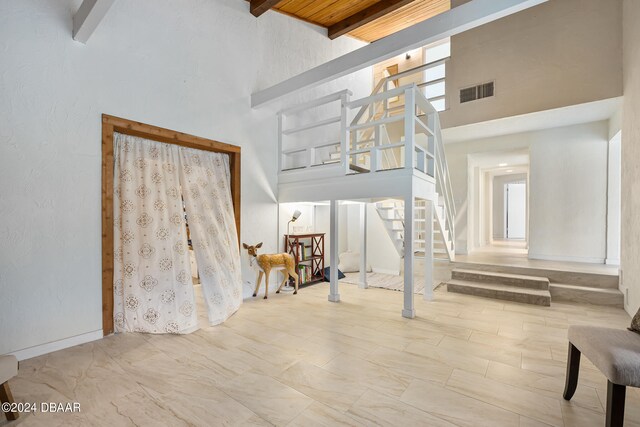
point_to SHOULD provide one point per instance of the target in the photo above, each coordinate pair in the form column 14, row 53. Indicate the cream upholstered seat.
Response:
column 8, row 370
column 616, row 352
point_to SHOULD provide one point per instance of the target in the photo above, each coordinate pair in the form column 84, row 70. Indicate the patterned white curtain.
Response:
column 153, row 289
column 206, row 190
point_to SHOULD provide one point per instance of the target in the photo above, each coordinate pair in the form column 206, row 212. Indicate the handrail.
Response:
column 417, row 69
column 368, row 100
column 316, row 102
column 360, row 113
column 382, row 83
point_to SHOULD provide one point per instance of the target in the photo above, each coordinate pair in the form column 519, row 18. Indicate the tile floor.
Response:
column 300, row 360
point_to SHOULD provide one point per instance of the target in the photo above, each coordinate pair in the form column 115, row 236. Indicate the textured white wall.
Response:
column 190, row 68
column 630, row 243
column 567, row 188
column 559, row 53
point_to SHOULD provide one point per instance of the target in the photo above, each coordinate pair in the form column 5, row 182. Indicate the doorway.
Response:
column 515, row 210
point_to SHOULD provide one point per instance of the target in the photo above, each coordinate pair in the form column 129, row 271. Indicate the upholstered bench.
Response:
column 8, row 370
column 616, row 352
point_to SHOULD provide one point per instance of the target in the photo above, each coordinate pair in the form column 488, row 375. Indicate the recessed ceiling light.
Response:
column 502, row 164
column 509, row 170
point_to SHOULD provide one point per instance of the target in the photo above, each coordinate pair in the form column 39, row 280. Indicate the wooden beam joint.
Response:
column 258, row 7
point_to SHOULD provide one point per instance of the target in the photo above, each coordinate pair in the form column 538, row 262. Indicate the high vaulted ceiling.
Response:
column 368, row 20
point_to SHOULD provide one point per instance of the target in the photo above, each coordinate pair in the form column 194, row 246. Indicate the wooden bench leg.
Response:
column 615, row 404
column 573, row 369
column 6, row 396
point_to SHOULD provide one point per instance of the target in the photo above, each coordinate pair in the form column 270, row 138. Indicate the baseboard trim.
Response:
column 50, row 347
column 590, row 260
column 385, row 271
column 612, row 261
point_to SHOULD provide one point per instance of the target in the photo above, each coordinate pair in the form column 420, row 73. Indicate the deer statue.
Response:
column 265, row 263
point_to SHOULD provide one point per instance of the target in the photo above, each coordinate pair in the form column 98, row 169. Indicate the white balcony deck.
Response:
column 329, row 182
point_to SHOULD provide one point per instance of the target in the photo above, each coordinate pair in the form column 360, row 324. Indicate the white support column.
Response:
column 363, row 247
column 428, row 251
column 409, row 127
column 334, row 296
column 409, row 249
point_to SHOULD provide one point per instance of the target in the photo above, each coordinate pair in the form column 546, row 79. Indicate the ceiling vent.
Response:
column 473, row 93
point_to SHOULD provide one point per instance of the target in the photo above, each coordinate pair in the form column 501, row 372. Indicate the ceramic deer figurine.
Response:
column 265, row 263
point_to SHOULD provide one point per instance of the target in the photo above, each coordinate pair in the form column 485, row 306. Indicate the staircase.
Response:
column 391, row 213
column 503, row 286
column 572, row 285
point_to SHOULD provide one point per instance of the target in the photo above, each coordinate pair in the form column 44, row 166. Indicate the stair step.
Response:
column 515, row 280
column 586, row 294
column 501, row 292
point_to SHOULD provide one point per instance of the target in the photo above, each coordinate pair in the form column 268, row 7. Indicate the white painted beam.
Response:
column 447, row 24
column 409, row 253
column 88, row 17
column 363, row 247
column 334, row 296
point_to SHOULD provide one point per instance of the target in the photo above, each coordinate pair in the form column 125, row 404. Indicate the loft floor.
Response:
column 300, row 360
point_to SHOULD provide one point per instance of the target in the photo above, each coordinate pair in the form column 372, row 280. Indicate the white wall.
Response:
column 559, row 53
column 381, row 253
column 498, row 201
column 630, row 250
column 567, row 187
column 190, row 68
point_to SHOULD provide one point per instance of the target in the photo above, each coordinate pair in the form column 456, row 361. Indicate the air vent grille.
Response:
column 473, row 93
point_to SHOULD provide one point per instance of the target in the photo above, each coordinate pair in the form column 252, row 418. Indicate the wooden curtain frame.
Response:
column 111, row 124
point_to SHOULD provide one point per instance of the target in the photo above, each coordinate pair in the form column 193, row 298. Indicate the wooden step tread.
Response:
column 517, row 280
column 503, row 292
column 587, row 294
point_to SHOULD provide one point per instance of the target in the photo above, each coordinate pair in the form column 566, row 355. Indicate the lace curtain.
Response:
column 153, row 289
column 207, row 196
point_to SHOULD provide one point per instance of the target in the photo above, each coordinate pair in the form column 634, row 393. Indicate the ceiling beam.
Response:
column 452, row 22
column 371, row 13
column 88, row 17
column 258, row 7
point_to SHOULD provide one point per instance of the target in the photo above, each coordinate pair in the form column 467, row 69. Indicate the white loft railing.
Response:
column 298, row 144
column 393, row 128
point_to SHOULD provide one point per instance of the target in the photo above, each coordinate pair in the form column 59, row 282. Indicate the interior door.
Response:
column 516, row 210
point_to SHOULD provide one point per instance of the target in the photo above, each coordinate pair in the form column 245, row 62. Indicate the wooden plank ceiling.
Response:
column 368, row 20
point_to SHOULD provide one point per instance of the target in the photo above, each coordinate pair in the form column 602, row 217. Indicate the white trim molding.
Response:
column 50, row 347
column 591, row 260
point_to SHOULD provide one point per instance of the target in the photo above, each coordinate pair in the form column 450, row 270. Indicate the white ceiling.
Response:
column 566, row 116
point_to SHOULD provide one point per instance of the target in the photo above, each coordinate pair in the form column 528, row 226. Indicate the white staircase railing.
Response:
column 393, row 128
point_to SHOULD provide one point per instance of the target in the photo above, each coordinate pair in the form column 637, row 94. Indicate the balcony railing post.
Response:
column 344, row 133
column 409, row 126
column 432, row 145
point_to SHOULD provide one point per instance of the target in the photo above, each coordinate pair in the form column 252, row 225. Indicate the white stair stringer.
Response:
column 391, row 213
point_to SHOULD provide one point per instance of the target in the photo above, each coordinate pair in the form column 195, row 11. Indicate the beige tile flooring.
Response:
column 300, row 360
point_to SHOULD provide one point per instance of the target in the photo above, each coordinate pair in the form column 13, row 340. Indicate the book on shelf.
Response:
column 305, row 272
